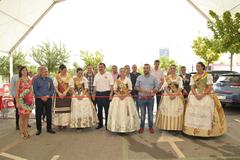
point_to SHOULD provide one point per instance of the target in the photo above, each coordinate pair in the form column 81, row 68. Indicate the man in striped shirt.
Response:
column 90, row 77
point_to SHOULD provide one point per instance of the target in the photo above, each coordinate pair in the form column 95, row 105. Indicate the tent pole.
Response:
column 34, row 24
column 25, row 34
column 11, row 65
column 234, row 6
column 198, row 9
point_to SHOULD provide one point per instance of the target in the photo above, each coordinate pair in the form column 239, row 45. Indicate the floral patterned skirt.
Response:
column 123, row 116
column 83, row 113
column 22, row 111
column 205, row 117
column 170, row 114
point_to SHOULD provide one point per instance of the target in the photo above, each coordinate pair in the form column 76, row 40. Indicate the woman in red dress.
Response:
column 24, row 100
column 1, row 103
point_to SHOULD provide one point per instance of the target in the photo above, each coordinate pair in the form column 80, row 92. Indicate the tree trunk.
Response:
column 231, row 61
column 207, row 66
column 10, row 66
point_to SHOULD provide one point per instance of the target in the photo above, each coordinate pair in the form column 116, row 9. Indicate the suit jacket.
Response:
column 133, row 78
column 186, row 82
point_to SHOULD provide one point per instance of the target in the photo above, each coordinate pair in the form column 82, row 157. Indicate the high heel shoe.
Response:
column 23, row 136
column 60, row 128
column 28, row 135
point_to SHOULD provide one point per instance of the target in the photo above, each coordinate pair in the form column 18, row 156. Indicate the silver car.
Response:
column 227, row 88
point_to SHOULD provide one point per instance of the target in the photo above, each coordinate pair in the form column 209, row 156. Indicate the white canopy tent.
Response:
column 218, row 6
column 19, row 17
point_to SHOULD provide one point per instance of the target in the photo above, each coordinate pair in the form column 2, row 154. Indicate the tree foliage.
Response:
column 19, row 58
column 50, row 55
column 165, row 62
column 91, row 58
column 33, row 69
column 226, row 30
column 204, row 48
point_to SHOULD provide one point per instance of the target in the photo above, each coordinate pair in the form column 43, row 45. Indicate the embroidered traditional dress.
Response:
column 170, row 113
column 83, row 112
column 62, row 106
column 25, row 97
column 123, row 116
column 205, row 117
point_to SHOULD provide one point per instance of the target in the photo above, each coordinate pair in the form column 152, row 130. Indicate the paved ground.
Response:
column 91, row 144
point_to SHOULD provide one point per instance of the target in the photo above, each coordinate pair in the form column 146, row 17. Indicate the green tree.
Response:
column 203, row 47
column 19, row 58
column 226, row 30
column 33, row 69
column 73, row 70
column 165, row 62
column 140, row 69
column 109, row 68
column 50, row 55
column 91, row 58
column 75, row 65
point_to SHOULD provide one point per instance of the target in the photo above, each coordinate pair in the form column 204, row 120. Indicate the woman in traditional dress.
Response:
column 62, row 105
column 123, row 116
column 83, row 112
column 204, row 116
column 24, row 100
column 171, row 109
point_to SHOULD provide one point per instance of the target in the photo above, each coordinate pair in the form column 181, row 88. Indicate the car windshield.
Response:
column 229, row 79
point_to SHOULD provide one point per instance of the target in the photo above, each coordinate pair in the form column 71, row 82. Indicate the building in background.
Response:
column 224, row 63
column 164, row 52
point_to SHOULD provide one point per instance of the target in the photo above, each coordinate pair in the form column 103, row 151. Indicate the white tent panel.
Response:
column 218, row 6
column 17, row 17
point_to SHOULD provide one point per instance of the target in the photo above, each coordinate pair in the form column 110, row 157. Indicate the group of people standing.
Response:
column 184, row 103
column 198, row 114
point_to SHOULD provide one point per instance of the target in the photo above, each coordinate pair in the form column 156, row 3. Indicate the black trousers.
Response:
column 102, row 101
column 16, row 114
column 94, row 102
column 158, row 97
column 40, row 105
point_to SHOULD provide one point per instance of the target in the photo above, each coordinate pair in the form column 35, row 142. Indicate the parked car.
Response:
column 216, row 74
column 227, row 88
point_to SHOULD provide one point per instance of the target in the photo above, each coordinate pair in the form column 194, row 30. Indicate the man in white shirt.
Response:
column 103, row 92
column 159, row 75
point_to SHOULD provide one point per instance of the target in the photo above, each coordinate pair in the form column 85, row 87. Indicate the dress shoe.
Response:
column 38, row 133
column 51, row 131
column 99, row 127
column 141, row 130
column 29, row 126
column 151, row 130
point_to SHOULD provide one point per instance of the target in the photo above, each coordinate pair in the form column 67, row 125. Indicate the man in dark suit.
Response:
column 186, row 81
column 133, row 75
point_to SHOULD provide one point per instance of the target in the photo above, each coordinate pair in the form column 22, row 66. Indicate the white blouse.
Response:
column 85, row 81
column 209, row 80
column 55, row 82
column 178, row 80
column 126, row 81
